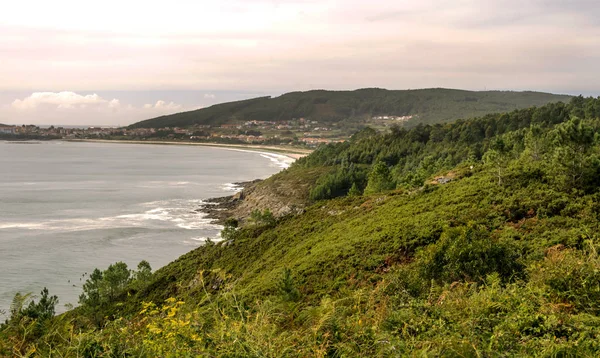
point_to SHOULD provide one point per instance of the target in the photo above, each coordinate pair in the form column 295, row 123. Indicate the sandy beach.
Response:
column 294, row 153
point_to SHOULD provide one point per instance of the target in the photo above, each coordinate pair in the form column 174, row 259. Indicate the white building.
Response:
column 7, row 130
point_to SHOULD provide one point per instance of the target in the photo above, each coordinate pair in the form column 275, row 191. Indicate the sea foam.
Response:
column 178, row 213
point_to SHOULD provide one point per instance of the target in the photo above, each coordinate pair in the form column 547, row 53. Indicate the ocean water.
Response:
column 67, row 208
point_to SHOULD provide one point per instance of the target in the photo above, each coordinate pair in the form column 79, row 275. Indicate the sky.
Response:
column 118, row 62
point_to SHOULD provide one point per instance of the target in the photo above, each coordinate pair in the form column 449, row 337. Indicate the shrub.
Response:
column 468, row 253
column 262, row 218
column 380, row 179
column 571, row 276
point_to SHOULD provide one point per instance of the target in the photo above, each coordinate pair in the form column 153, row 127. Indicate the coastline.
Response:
column 293, row 153
column 219, row 209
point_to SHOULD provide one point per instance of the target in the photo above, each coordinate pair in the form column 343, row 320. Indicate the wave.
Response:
column 279, row 160
column 162, row 184
column 19, row 225
column 55, row 225
column 231, row 187
column 167, row 214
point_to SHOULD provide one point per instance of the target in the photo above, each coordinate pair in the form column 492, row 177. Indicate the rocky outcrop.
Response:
column 283, row 194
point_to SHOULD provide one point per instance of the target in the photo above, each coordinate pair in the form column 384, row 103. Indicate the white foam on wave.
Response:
column 161, row 184
column 231, row 187
column 161, row 214
column 65, row 225
column 281, row 161
column 178, row 213
column 200, row 224
column 30, row 226
column 179, row 183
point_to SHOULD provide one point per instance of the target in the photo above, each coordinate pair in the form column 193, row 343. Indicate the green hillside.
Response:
column 426, row 105
column 477, row 238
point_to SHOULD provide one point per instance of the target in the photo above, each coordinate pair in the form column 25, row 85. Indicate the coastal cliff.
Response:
column 286, row 193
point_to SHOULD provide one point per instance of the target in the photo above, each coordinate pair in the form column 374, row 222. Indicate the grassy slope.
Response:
column 351, row 238
column 430, row 105
column 376, row 247
column 469, row 268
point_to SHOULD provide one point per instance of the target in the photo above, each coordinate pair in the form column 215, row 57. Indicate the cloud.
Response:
column 164, row 106
column 62, row 100
column 114, row 103
column 282, row 45
column 72, row 108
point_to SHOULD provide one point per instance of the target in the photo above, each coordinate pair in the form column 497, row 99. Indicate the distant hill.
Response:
column 425, row 105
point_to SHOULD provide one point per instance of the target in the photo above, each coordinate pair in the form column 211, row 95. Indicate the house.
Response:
column 8, row 130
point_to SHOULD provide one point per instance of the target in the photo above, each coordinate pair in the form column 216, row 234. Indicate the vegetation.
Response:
column 427, row 106
column 501, row 260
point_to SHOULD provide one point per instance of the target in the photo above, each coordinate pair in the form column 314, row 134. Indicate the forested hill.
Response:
column 478, row 238
column 424, row 105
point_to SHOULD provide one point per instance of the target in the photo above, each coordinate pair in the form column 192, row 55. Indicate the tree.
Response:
column 536, row 143
column 573, row 160
column 265, row 218
column 144, row 271
column 105, row 286
column 44, row 309
column 229, row 229
column 380, row 179
column 592, row 108
column 577, row 106
column 116, row 278
column 497, row 157
column 92, row 287
column 354, row 190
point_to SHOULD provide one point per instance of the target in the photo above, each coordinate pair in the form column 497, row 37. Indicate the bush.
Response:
column 262, row 218
column 468, row 253
column 571, row 276
column 287, row 287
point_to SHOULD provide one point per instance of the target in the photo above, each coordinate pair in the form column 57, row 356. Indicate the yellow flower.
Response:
column 154, row 329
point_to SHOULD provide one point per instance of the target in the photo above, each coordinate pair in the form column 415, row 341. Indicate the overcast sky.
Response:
column 117, row 62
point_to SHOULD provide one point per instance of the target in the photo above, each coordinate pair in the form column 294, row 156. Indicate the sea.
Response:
column 67, row 208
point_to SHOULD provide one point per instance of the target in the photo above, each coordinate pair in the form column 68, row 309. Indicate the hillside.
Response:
column 425, row 106
column 465, row 239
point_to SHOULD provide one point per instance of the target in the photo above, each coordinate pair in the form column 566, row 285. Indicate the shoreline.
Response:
column 293, row 153
column 219, row 209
